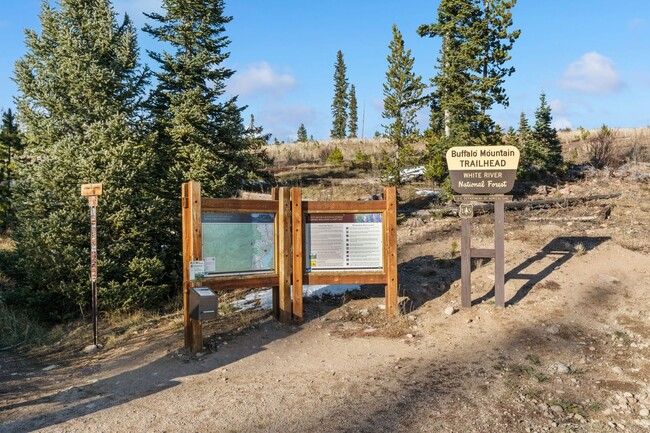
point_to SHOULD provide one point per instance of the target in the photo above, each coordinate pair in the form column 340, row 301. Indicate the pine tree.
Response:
column 302, row 133
column 201, row 135
column 471, row 69
column 497, row 43
column 11, row 143
column 454, row 111
column 402, row 99
column 531, row 161
column 80, row 104
column 354, row 118
column 546, row 137
column 340, row 101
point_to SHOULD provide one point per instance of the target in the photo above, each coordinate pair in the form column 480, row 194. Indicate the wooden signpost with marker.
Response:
column 93, row 191
column 482, row 174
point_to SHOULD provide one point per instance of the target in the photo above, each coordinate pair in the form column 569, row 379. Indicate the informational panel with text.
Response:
column 344, row 242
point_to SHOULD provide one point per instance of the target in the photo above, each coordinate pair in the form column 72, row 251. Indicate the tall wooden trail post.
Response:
column 93, row 191
column 283, row 243
column 482, row 174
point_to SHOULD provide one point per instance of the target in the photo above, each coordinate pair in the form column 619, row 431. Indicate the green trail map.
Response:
column 238, row 243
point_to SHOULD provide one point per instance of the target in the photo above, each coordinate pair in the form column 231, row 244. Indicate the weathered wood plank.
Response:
column 482, row 253
column 344, row 278
column 234, row 205
column 241, row 281
column 276, row 287
column 285, row 259
column 499, row 258
column 465, row 263
column 298, row 254
column 343, row 206
column 191, row 225
column 390, row 247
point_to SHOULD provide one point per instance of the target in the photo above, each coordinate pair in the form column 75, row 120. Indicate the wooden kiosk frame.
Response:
column 387, row 276
column 290, row 216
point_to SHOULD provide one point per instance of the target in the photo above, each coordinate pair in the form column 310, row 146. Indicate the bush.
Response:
column 362, row 160
column 600, row 149
column 335, row 157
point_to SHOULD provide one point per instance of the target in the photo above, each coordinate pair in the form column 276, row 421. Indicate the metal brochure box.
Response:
column 203, row 304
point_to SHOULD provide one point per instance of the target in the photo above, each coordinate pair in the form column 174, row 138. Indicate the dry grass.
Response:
column 631, row 144
column 317, row 151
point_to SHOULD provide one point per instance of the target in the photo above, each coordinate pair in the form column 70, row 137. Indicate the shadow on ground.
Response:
column 559, row 251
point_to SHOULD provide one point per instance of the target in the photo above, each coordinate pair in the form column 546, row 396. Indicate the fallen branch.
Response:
column 481, row 208
column 566, row 218
column 536, row 204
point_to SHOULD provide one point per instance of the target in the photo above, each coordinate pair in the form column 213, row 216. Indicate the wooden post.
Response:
column 191, row 221
column 466, row 262
column 298, row 254
column 499, row 259
column 390, row 196
column 275, row 290
column 285, row 259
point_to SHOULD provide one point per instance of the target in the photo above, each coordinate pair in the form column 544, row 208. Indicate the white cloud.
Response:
column 562, row 123
column 283, row 121
column 558, row 106
column 592, row 73
column 261, row 78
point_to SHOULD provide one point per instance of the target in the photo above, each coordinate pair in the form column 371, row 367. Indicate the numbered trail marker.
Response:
column 92, row 191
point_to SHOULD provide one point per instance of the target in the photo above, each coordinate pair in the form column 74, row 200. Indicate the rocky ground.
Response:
column 569, row 353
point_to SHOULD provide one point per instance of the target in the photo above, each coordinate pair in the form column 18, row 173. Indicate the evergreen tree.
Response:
column 340, row 101
column 546, row 138
column 201, row 135
column 302, row 133
column 402, row 98
column 80, row 89
column 11, row 143
column 354, row 118
column 531, row 160
column 497, row 43
column 471, row 68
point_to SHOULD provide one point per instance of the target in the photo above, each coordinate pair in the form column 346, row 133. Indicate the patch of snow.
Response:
column 427, row 193
column 412, row 173
column 263, row 299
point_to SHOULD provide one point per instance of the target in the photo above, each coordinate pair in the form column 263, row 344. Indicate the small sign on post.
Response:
column 92, row 191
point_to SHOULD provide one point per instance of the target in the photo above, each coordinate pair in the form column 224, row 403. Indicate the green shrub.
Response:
column 362, row 160
column 335, row 157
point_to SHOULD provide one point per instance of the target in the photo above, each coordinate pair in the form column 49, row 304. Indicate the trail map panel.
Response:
column 344, row 242
column 236, row 243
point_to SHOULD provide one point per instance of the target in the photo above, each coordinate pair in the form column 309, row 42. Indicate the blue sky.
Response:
column 591, row 58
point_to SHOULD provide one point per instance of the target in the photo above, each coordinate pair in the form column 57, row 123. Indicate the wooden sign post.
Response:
column 482, row 174
column 93, row 191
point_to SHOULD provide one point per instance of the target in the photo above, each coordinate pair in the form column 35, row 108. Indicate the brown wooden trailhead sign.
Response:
column 482, row 174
